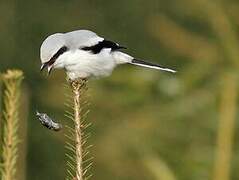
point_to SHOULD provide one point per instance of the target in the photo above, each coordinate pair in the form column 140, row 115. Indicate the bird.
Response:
column 83, row 54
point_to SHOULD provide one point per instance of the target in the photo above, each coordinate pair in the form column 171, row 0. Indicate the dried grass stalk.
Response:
column 77, row 161
column 11, row 82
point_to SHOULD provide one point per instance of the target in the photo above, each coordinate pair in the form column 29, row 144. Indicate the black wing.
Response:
column 101, row 45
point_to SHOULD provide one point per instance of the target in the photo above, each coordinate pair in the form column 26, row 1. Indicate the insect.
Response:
column 46, row 121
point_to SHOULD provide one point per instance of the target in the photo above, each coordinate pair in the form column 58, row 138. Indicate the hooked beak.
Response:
column 48, row 65
column 43, row 66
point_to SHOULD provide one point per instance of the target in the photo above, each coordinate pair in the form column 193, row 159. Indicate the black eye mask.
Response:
column 54, row 57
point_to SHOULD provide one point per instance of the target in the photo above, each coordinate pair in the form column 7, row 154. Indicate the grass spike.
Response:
column 77, row 138
column 11, row 80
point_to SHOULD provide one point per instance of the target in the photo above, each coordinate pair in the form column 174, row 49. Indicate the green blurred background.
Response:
column 146, row 124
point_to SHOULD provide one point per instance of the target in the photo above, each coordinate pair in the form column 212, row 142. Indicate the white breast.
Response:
column 84, row 64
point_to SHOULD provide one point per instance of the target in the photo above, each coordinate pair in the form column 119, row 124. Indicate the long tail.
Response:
column 150, row 65
column 122, row 58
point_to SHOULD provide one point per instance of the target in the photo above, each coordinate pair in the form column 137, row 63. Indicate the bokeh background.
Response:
column 146, row 124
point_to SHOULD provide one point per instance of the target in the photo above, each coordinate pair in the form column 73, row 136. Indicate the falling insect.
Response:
column 46, row 121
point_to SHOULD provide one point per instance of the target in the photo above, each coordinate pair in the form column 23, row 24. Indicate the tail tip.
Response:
column 171, row 70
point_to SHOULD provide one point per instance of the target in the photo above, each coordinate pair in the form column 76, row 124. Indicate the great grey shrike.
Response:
column 84, row 54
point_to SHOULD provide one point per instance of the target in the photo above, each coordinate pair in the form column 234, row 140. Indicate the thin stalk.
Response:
column 226, row 128
column 77, row 86
column 11, row 81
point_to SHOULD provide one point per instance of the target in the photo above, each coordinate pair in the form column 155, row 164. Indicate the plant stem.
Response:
column 227, row 117
column 77, row 86
column 11, row 81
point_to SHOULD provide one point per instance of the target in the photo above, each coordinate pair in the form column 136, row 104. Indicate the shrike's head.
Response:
column 52, row 47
